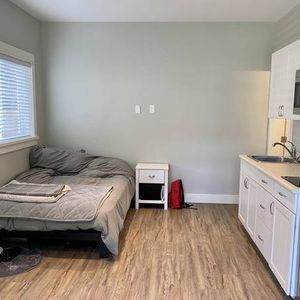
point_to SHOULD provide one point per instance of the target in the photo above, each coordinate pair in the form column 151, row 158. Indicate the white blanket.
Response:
column 34, row 199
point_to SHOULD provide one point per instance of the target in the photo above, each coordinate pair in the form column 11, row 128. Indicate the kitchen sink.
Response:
column 272, row 159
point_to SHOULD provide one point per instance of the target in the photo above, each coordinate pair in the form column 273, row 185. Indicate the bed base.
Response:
column 66, row 235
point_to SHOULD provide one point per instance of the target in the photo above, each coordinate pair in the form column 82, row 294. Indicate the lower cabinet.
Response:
column 282, row 245
column 264, row 222
column 251, row 217
column 247, row 207
column 270, row 224
column 243, row 198
column 263, row 240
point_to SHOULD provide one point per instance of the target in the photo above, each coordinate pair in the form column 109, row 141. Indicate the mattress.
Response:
column 110, row 216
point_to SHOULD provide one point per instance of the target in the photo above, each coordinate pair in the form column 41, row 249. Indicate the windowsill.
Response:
column 15, row 145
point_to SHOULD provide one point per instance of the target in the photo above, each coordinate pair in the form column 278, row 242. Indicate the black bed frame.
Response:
column 67, row 235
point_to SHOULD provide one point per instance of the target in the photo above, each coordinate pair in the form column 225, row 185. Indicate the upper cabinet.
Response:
column 285, row 63
column 279, row 106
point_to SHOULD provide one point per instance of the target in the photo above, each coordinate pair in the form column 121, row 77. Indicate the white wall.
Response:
column 22, row 31
column 209, row 82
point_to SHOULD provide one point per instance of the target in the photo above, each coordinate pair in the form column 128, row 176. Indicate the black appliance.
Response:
column 297, row 94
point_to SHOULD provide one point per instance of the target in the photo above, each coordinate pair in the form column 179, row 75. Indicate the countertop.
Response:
column 276, row 170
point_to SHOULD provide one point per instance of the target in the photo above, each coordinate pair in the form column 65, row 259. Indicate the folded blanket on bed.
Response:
column 31, row 189
column 32, row 192
column 80, row 204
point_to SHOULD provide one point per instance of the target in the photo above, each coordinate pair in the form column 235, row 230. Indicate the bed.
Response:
column 56, row 166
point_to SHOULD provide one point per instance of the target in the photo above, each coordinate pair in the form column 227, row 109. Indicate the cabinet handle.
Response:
column 261, row 206
column 162, row 193
column 282, row 195
column 272, row 208
column 151, row 176
column 260, row 238
column 263, row 181
column 279, row 111
column 246, row 183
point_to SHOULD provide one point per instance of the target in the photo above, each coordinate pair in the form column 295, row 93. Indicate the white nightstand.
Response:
column 151, row 180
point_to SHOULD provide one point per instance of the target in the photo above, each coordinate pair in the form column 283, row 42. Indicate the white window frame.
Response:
column 21, row 143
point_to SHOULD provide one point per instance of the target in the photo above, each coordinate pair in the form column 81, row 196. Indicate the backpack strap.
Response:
column 184, row 204
column 188, row 205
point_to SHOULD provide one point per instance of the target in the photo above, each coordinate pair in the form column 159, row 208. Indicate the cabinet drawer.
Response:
column 263, row 239
column 286, row 197
column 152, row 176
column 265, row 181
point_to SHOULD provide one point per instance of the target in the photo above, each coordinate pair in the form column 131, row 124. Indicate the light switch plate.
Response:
column 151, row 108
column 137, row 109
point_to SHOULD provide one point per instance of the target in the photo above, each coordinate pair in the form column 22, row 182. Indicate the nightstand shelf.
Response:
column 151, row 184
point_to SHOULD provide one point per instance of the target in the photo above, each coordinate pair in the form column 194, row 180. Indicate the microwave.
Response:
column 297, row 94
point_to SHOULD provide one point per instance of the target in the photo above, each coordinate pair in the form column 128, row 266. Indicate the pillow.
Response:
column 62, row 161
column 107, row 166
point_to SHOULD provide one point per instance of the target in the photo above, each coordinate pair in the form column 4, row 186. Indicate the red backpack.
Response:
column 176, row 195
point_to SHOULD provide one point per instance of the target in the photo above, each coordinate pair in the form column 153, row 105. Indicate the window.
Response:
column 16, row 97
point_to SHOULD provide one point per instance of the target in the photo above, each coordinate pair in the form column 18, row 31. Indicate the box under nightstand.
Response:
column 151, row 184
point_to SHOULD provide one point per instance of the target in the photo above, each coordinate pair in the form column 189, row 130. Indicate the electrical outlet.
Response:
column 151, row 108
column 137, row 109
column 283, row 139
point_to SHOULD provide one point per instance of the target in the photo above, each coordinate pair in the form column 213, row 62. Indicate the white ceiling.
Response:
column 157, row 10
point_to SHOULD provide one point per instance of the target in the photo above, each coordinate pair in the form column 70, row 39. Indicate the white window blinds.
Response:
column 16, row 99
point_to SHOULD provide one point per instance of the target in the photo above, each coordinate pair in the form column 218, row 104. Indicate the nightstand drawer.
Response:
column 152, row 176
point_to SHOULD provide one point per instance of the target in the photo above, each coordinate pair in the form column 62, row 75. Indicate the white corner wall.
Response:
column 19, row 29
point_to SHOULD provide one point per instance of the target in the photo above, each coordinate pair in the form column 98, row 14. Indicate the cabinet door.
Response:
column 263, row 239
column 282, row 245
column 279, row 104
column 265, row 207
column 251, row 214
column 243, row 198
column 264, row 222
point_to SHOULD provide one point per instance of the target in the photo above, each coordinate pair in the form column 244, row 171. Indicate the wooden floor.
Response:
column 178, row 254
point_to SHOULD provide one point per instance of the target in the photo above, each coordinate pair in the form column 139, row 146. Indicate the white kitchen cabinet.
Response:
column 282, row 245
column 265, row 207
column 269, row 210
column 263, row 239
column 285, row 63
column 251, row 217
column 279, row 104
column 247, row 207
column 243, row 198
column 264, row 221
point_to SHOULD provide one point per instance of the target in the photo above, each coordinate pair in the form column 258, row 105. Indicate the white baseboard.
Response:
column 211, row 198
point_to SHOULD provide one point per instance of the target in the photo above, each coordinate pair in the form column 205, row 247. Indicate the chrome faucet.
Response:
column 292, row 152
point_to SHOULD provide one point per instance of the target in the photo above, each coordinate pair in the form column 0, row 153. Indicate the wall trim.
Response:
column 211, row 198
column 17, row 144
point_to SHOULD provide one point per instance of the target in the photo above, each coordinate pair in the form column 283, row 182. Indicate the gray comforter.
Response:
column 80, row 204
column 84, row 170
